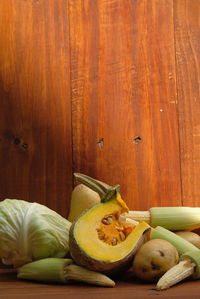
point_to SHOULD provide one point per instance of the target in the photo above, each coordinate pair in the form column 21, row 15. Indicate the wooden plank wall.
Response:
column 124, row 74
column 187, row 41
column 109, row 88
column 35, row 107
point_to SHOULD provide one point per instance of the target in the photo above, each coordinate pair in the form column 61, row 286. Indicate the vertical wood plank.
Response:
column 35, row 108
column 187, row 33
column 124, row 105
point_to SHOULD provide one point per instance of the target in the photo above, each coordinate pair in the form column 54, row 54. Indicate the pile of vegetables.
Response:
column 101, row 239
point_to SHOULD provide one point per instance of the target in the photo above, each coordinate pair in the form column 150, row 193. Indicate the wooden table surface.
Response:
column 10, row 287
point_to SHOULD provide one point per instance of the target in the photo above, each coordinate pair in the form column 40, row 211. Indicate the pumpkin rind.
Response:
column 87, row 250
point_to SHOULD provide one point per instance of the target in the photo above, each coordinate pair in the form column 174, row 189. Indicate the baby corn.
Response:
column 127, row 220
column 176, row 274
column 172, row 218
column 61, row 271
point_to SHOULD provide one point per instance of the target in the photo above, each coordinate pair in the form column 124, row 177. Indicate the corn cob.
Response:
column 189, row 265
column 127, row 220
column 62, row 271
column 172, row 218
column 176, row 274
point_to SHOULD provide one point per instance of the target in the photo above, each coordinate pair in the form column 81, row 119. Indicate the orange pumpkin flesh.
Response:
column 100, row 242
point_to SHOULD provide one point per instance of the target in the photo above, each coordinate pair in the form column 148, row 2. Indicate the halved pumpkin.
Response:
column 100, row 242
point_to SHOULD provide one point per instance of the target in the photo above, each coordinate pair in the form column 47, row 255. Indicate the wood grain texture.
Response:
column 187, row 34
column 35, row 107
column 11, row 288
column 125, row 126
column 109, row 88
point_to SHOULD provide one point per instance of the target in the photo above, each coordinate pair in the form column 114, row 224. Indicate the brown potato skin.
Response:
column 153, row 259
column 191, row 237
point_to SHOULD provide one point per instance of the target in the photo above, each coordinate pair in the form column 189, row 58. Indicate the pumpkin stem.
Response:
column 105, row 191
column 110, row 193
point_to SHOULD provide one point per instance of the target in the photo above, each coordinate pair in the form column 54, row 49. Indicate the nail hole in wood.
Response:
column 25, row 146
column 17, row 141
column 137, row 139
column 100, row 143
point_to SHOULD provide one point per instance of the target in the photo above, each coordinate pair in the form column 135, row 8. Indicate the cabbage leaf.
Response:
column 31, row 231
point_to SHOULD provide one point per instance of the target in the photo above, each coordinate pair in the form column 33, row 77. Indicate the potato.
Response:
column 190, row 237
column 153, row 259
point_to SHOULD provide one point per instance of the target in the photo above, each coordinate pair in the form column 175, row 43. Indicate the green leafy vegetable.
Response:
column 31, row 231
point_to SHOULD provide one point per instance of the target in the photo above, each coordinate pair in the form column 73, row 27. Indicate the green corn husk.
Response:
column 61, row 271
column 45, row 270
column 172, row 218
column 175, row 218
column 181, row 244
column 194, row 256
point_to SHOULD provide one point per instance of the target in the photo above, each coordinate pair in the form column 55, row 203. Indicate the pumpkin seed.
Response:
column 101, row 235
column 122, row 236
column 107, row 220
column 114, row 241
column 119, row 228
